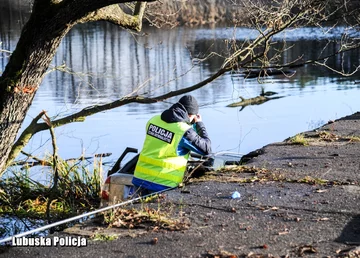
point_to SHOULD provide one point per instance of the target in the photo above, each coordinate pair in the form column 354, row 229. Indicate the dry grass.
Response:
column 321, row 136
column 149, row 218
column 326, row 136
column 299, row 139
column 243, row 174
column 77, row 190
column 331, row 137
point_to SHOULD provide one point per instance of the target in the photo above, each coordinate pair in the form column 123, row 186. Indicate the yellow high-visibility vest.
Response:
column 158, row 161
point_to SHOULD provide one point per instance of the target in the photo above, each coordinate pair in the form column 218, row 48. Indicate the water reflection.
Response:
column 161, row 60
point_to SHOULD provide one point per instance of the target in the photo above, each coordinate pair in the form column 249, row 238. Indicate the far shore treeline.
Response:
column 185, row 12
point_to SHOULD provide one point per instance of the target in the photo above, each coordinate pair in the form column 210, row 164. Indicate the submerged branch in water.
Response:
column 40, row 162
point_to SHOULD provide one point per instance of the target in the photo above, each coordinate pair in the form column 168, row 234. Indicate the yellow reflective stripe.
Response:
column 145, row 173
column 177, row 163
column 163, row 182
column 160, row 170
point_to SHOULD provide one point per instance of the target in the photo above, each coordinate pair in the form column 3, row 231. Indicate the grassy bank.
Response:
column 72, row 191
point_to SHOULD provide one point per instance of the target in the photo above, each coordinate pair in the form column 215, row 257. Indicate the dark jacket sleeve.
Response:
column 199, row 138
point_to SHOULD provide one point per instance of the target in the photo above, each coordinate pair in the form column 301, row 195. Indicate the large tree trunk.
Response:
column 48, row 24
column 26, row 68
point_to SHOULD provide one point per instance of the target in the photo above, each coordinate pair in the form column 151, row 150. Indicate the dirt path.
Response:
column 296, row 200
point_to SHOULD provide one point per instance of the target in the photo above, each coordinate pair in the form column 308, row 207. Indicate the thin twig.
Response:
column 53, row 189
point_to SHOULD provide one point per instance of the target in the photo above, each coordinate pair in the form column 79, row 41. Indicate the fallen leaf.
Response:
column 254, row 255
column 201, row 245
column 154, row 241
column 271, row 209
column 239, row 247
column 322, row 219
column 321, row 190
column 306, row 249
column 283, row 233
column 221, row 254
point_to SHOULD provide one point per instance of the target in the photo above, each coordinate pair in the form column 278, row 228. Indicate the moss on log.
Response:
column 253, row 101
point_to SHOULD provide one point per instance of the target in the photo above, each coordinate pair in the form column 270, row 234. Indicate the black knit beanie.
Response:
column 190, row 103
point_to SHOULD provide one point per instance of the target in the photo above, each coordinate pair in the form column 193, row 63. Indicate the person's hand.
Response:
column 197, row 118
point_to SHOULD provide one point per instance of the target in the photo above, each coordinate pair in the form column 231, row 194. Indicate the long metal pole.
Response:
column 80, row 216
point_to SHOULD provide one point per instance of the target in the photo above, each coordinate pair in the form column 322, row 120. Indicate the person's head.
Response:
column 191, row 105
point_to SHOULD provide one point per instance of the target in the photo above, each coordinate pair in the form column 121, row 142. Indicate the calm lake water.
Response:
column 108, row 63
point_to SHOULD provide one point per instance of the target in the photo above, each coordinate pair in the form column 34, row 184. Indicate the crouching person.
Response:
column 169, row 139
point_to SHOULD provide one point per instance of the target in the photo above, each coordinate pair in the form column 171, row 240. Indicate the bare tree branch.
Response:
column 114, row 14
column 53, row 189
column 23, row 139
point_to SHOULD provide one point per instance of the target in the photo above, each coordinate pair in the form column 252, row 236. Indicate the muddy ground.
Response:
column 296, row 200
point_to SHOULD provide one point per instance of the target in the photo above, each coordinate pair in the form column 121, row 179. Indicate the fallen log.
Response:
column 253, row 101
